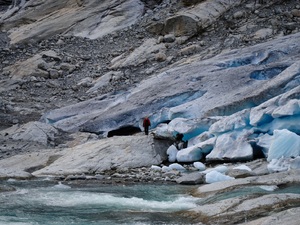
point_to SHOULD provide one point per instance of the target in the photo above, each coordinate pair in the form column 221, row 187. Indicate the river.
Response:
column 49, row 202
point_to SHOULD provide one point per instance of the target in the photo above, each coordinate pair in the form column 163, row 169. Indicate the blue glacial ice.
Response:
column 272, row 127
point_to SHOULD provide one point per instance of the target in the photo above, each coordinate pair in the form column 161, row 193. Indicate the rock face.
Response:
column 79, row 18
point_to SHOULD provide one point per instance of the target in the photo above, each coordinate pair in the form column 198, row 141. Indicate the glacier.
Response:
column 236, row 106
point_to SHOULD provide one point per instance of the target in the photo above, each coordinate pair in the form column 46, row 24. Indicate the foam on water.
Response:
column 113, row 201
column 44, row 202
column 61, row 186
column 268, row 187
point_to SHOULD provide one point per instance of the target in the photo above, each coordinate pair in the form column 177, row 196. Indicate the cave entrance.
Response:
column 124, row 131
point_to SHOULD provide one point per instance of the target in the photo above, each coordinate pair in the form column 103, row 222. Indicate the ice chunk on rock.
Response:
column 232, row 146
column 278, row 165
column 176, row 166
column 264, row 141
column 172, row 153
column 285, row 144
column 215, row 176
column 155, row 168
column 199, row 165
column 242, row 167
column 190, row 154
column 291, row 108
column 295, row 163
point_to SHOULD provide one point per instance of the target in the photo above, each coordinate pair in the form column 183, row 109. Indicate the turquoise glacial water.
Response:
column 84, row 202
column 46, row 202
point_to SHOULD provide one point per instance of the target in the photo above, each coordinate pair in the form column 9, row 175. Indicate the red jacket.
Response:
column 146, row 122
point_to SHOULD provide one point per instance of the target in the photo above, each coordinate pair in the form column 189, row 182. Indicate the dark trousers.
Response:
column 146, row 130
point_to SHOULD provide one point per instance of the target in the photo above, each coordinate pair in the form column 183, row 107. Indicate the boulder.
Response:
column 193, row 20
column 191, row 178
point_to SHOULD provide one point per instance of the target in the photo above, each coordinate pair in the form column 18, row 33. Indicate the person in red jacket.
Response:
column 146, row 125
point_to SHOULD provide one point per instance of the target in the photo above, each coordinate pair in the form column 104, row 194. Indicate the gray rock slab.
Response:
column 291, row 176
column 106, row 154
column 240, row 209
column 21, row 166
column 87, row 158
column 289, row 216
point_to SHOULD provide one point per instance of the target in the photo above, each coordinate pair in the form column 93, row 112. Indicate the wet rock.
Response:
column 237, row 210
column 270, row 179
column 191, row 178
column 289, row 216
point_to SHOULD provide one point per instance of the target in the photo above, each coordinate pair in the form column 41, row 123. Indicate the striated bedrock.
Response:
column 37, row 20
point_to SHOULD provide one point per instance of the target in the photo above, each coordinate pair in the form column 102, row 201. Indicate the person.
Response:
column 179, row 142
column 146, row 125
